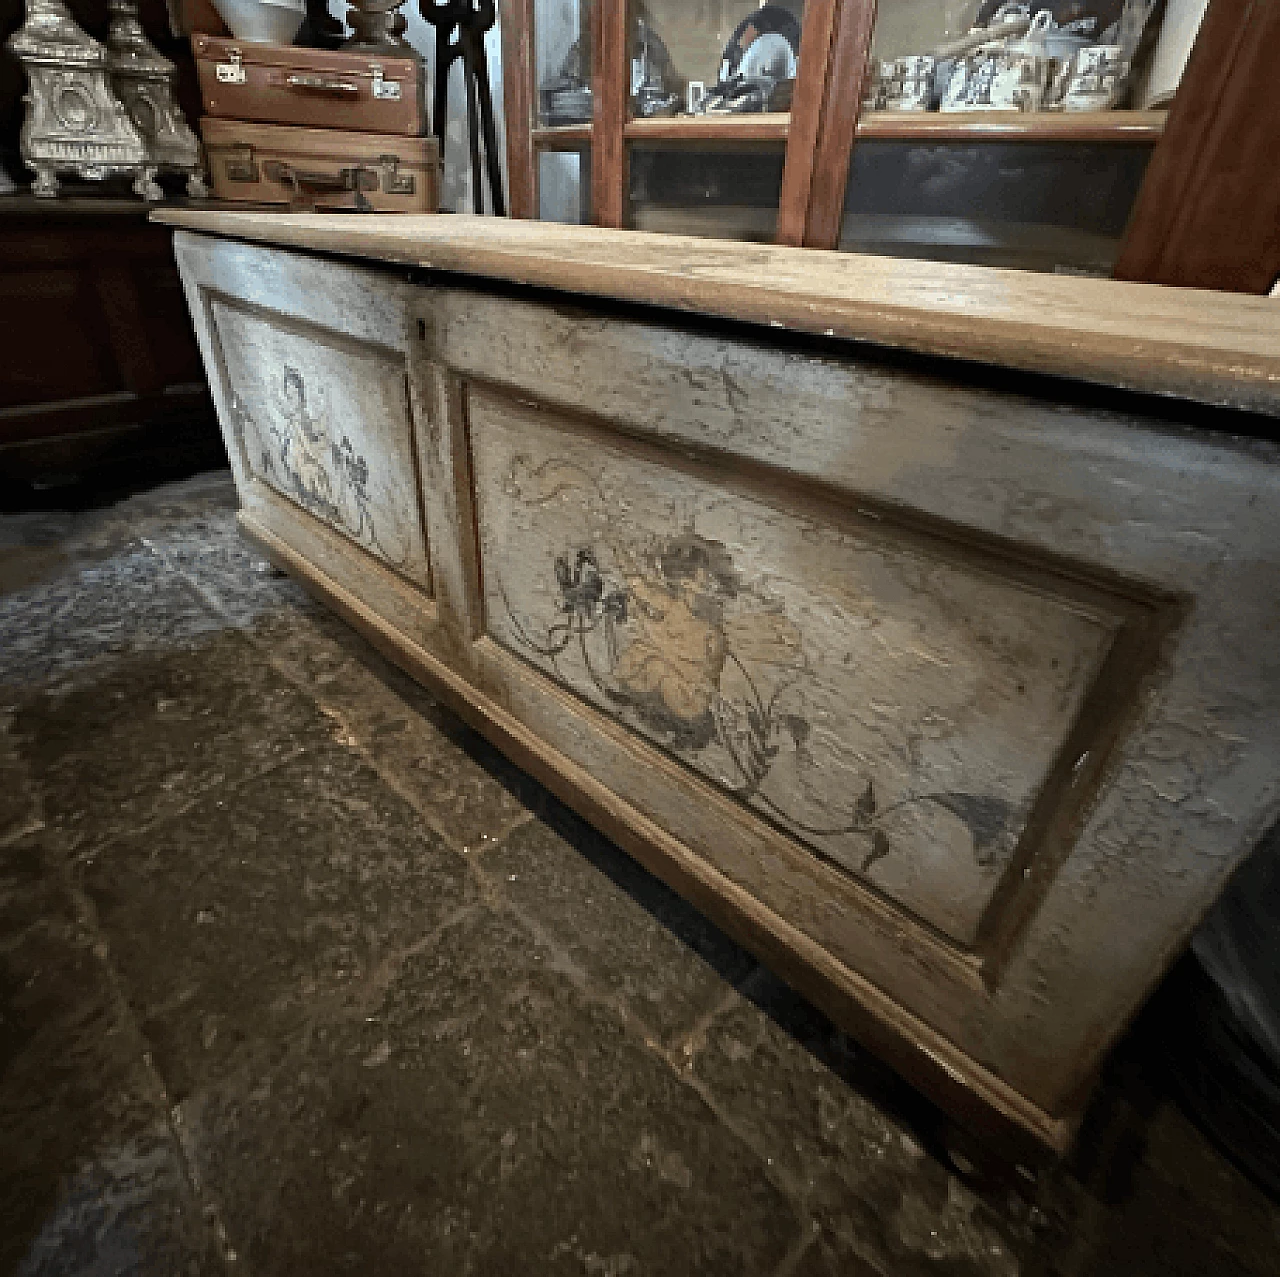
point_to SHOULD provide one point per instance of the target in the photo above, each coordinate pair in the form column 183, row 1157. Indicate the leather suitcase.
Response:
column 321, row 168
column 315, row 88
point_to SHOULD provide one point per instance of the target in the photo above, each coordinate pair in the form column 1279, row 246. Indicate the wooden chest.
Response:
column 918, row 623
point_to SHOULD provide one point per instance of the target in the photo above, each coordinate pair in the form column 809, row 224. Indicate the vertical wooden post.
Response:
column 610, row 91
column 824, row 117
column 518, row 104
column 1208, row 212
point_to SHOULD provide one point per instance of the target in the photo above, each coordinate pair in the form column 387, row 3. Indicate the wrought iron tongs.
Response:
column 460, row 26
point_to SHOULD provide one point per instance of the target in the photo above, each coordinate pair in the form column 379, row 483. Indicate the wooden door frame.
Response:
column 610, row 78
column 1208, row 212
column 834, row 53
column 519, row 105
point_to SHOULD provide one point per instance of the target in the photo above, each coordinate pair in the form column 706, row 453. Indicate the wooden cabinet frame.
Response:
column 1207, row 215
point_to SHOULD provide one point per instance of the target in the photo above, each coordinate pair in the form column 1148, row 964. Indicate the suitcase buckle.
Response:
column 393, row 181
column 239, row 165
column 383, row 90
column 231, row 71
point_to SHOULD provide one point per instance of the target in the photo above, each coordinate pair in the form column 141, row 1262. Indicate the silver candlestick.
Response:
column 142, row 78
column 74, row 123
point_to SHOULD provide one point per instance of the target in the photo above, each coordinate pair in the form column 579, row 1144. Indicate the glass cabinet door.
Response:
column 563, row 109
column 710, row 86
column 1007, row 132
column 562, row 62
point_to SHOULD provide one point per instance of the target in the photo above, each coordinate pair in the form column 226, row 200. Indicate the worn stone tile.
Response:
column 90, row 1177
column 485, row 1118
column 466, row 788
column 849, row 1137
column 463, row 786
column 214, row 555
column 125, row 604
column 822, row 1259
column 19, row 806
column 634, row 939
column 38, row 546
column 137, row 741
column 237, row 924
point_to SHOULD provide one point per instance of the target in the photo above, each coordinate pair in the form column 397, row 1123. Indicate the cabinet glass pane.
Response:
column 712, row 58
column 564, row 187
column 1053, row 207
column 562, row 47
column 1008, row 132
column 727, row 192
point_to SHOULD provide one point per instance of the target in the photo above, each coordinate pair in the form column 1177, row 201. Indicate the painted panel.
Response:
column 886, row 699
column 324, row 420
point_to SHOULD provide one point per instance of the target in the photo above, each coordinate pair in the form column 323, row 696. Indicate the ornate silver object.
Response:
column 74, row 123
column 142, row 78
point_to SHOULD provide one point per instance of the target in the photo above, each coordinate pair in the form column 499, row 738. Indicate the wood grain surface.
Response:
column 519, row 104
column 611, row 104
column 1208, row 212
column 1214, row 348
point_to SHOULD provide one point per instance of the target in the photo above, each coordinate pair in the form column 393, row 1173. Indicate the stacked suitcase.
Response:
column 316, row 128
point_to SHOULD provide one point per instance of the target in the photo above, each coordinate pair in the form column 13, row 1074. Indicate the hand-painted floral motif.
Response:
column 668, row 631
column 324, row 475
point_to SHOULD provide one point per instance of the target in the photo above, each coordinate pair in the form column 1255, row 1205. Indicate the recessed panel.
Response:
column 325, row 421
column 877, row 694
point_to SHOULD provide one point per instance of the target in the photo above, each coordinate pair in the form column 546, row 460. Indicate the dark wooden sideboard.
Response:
column 99, row 369
column 100, row 361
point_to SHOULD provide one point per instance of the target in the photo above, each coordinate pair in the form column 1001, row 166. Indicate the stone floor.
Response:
column 298, row 977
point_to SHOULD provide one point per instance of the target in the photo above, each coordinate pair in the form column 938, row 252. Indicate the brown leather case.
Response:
column 321, row 168
column 316, row 88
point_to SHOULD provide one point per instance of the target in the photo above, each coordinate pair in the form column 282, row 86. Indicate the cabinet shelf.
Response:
column 562, row 137
column 1013, row 126
column 770, row 127
column 888, row 126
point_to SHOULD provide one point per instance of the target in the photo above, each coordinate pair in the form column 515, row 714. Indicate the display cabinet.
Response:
column 1078, row 136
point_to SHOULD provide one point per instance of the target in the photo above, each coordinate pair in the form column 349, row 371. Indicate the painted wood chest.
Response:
column 918, row 623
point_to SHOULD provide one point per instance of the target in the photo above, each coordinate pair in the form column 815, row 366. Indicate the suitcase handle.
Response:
column 321, row 84
column 305, row 183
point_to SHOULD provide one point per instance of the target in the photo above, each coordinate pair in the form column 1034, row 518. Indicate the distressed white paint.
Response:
column 326, row 423
column 872, row 664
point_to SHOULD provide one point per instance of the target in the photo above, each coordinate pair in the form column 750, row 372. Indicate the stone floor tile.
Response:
column 126, row 604
column 239, row 923
column 123, row 746
column 634, row 939
column 461, row 784
column 90, row 1178
column 229, row 571
column 483, row 1119
column 850, row 1138
column 19, row 807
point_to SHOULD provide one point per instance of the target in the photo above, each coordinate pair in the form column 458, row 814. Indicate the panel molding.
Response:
column 393, row 360
column 1137, row 617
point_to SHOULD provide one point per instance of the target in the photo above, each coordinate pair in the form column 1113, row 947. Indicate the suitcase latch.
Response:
column 239, row 165
column 393, row 181
column 232, row 70
column 383, row 90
